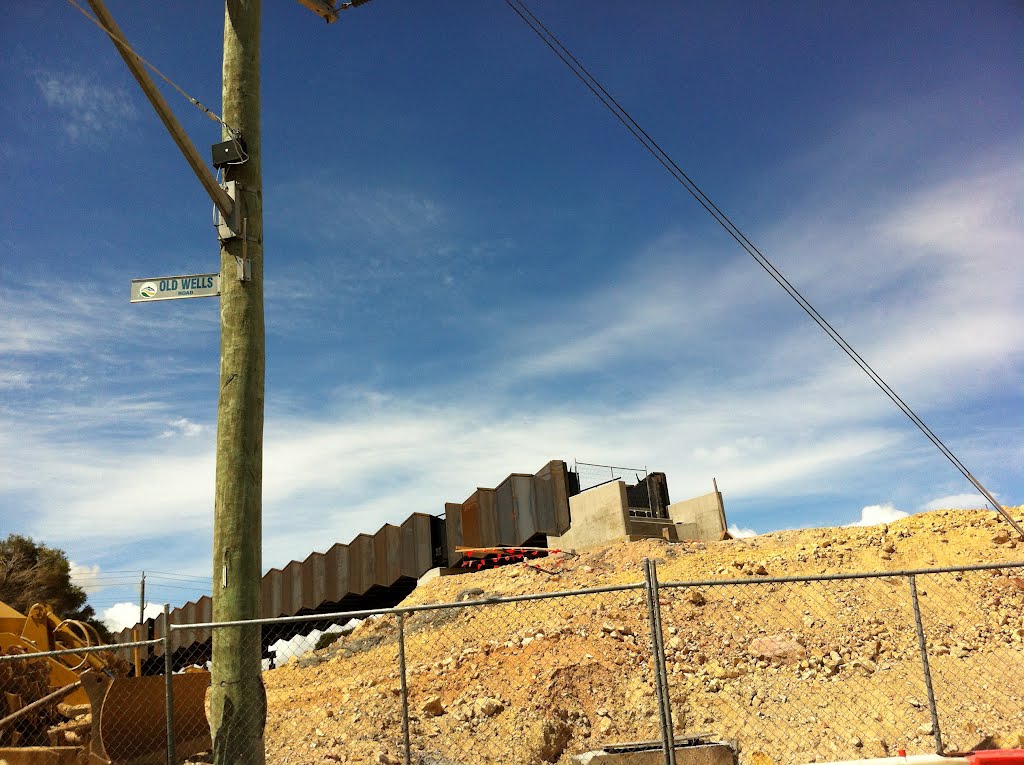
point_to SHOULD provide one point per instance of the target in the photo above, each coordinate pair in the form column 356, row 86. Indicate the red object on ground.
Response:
column 997, row 757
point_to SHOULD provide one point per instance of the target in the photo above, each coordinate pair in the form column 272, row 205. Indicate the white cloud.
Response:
column 121, row 615
column 739, row 532
column 957, row 502
column 183, row 426
column 15, row 380
column 955, row 219
column 873, row 515
column 86, row 577
column 725, row 452
column 90, row 109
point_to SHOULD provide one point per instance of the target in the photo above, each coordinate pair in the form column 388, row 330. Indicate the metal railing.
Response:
column 798, row 669
column 591, row 474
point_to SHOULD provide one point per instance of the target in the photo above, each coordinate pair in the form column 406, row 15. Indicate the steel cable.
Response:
column 666, row 161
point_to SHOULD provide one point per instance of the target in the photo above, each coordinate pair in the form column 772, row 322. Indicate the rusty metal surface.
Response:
column 43, row 755
column 129, row 724
column 520, row 508
column 132, row 726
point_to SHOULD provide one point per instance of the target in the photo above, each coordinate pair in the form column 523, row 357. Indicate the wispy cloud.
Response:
column 394, row 235
column 182, row 426
column 90, row 111
column 327, row 480
column 369, row 217
column 34, row 323
column 956, row 502
column 705, row 371
column 15, row 379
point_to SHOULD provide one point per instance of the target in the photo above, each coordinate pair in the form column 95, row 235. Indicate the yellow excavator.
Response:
column 85, row 708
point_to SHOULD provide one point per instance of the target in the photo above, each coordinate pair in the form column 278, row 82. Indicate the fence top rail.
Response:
column 77, row 651
column 346, row 615
column 834, row 577
column 609, row 467
column 476, row 603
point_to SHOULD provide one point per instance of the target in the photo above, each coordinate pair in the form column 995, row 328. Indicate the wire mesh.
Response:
column 531, row 682
column 798, row 671
column 82, row 699
column 794, row 671
column 334, row 694
column 974, row 629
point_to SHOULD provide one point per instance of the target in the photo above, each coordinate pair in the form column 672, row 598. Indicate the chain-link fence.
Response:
column 974, row 635
column 793, row 670
column 799, row 670
column 84, row 698
column 531, row 680
column 847, row 667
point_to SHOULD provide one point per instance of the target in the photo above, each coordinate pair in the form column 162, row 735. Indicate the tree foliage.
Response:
column 31, row 572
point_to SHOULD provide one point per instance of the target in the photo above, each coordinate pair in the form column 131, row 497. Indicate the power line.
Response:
column 177, row 587
column 172, row 574
column 107, row 576
column 666, row 161
column 179, row 584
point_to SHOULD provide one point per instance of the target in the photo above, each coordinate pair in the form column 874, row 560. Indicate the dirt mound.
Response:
column 796, row 673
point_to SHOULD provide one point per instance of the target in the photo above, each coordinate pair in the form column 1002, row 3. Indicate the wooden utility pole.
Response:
column 138, row 630
column 237, row 701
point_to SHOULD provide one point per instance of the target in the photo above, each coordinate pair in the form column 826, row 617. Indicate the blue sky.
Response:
column 472, row 269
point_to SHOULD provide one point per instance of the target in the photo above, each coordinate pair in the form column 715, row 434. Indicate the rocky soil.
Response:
column 794, row 672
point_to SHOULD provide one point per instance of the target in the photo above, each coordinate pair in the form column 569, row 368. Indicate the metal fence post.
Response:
column 405, row 689
column 169, row 686
column 658, row 649
column 924, row 664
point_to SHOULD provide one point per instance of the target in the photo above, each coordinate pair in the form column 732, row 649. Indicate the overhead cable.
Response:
column 666, row 161
column 170, row 575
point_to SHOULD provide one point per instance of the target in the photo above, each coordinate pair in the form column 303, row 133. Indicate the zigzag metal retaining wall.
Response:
column 522, row 507
column 381, row 569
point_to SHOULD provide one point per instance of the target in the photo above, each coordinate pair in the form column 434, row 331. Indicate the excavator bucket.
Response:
column 129, row 726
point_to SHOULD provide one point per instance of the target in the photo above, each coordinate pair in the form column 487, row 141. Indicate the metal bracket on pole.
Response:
column 244, row 269
column 242, row 261
column 228, row 228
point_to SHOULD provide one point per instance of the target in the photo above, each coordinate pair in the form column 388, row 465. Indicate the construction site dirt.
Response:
column 792, row 678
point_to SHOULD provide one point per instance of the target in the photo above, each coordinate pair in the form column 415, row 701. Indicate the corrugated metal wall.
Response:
column 521, row 507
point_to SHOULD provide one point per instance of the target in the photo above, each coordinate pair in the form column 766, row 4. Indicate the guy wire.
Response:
column 208, row 112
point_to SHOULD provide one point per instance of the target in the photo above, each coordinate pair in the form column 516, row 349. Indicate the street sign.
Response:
column 175, row 287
